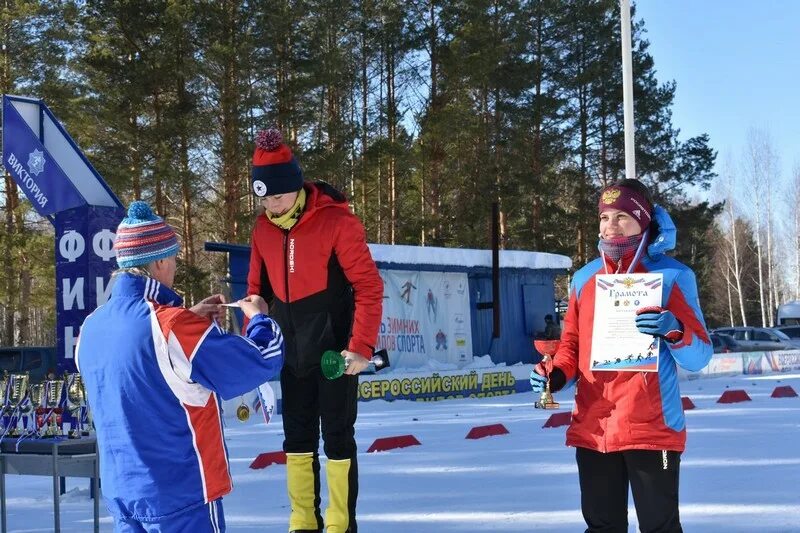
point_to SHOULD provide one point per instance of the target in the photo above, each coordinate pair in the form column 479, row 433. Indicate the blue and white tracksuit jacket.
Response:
column 154, row 374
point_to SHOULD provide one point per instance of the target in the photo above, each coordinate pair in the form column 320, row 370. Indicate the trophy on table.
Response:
column 27, row 417
column 76, row 403
column 333, row 364
column 53, row 390
column 37, row 397
column 548, row 349
column 3, row 400
column 17, row 396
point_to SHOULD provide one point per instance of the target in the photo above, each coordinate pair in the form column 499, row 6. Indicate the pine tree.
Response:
column 227, row 53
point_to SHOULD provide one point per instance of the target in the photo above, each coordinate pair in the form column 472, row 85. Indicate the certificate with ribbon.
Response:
column 616, row 343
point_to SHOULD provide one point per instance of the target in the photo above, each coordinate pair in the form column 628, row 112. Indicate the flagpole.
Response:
column 627, row 90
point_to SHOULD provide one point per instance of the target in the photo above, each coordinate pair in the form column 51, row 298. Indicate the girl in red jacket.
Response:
column 628, row 428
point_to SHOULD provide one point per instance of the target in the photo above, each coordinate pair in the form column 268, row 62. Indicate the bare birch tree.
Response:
column 732, row 271
column 793, row 208
column 757, row 165
column 771, row 282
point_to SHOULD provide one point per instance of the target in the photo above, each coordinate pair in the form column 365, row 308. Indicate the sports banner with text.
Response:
column 425, row 317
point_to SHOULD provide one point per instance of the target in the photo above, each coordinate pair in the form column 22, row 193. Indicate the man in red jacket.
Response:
column 309, row 259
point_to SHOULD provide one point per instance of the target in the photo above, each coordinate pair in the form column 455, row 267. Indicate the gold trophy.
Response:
column 548, row 349
column 3, row 400
column 53, row 390
column 76, row 403
column 17, row 394
column 27, row 421
column 36, row 394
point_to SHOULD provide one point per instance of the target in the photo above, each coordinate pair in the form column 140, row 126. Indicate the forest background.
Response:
column 423, row 112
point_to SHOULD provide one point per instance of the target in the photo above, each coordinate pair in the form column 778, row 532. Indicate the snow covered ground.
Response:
column 741, row 470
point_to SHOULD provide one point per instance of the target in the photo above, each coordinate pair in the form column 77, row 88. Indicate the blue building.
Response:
column 527, row 291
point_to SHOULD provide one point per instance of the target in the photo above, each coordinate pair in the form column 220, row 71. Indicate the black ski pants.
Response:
column 653, row 479
column 308, row 400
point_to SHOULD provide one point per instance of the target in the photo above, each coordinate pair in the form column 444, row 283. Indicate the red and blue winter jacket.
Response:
column 154, row 374
column 617, row 411
column 320, row 280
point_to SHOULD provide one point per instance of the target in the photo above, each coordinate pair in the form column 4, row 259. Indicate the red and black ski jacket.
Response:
column 319, row 279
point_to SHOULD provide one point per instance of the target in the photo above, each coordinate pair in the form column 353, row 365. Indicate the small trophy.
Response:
column 76, row 403
column 3, row 400
column 36, row 394
column 53, row 391
column 333, row 364
column 548, row 349
column 17, row 395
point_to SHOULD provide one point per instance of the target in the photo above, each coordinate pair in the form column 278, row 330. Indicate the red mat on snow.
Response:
column 784, row 392
column 390, row 443
column 269, row 458
column 558, row 419
column 734, row 396
column 480, row 432
column 687, row 403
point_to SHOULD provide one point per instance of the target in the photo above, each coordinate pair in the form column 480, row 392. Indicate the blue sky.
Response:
column 736, row 64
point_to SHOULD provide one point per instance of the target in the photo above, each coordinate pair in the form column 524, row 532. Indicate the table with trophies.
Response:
column 44, row 431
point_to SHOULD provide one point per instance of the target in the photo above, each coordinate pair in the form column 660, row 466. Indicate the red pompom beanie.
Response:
column 275, row 170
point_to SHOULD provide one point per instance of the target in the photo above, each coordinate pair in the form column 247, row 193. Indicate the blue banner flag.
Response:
column 32, row 166
column 63, row 186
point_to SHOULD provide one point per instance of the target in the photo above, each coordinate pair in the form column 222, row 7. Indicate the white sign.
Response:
column 616, row 343
column 425, row 316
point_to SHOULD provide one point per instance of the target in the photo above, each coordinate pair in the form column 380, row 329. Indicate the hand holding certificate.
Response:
column 253, row 305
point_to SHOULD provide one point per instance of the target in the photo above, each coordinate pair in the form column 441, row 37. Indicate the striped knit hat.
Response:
column 143, row 237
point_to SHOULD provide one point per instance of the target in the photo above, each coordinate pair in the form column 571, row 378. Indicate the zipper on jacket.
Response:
column 286, row 278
